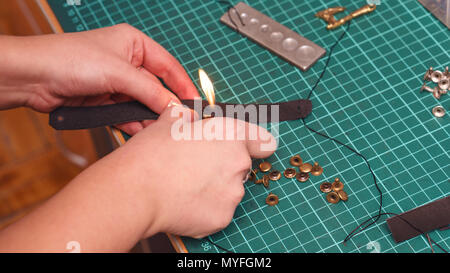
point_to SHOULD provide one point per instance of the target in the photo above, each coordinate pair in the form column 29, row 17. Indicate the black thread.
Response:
column 218, row 246
column 380, row 213
column 230, row 8
column 377, row 217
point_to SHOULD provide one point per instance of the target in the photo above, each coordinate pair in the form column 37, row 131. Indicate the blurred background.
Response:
column 35, row 160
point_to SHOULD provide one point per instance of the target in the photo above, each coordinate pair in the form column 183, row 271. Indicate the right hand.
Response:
column 192, row 186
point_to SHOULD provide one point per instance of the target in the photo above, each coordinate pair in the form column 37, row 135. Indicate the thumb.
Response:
column 260, row 142
column 256, row 139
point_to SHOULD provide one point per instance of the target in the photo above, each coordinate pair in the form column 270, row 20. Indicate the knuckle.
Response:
column 242, row 162
column 223, row 222
column 239, row 194
column 124, row 26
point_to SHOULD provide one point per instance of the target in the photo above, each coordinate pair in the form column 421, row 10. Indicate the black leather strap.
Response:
column 73, row 118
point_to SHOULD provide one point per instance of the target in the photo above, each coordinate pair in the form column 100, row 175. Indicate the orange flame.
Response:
column 207, row 87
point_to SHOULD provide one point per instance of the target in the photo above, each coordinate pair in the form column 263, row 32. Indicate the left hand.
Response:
column 97, row 67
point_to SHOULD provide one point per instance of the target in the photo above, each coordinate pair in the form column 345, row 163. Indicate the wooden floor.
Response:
column 32, row 164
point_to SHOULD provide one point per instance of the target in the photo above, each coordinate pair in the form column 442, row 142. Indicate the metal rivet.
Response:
column 296, row 160
column 265, row 166
column 446, row 72
column 305, row 168
column 436, row 76
column 265, row 180
column 259, row 181
column 337, row 185
column 438, row 111
column 443, row 84
column 427, row 76
column 426, row 88
column 289, row 172
column 302, row 177
column 272, row 199
column 343, row 195
column 333, row 197
column 325, row 187
column 437, row 92
column 316, row 169
column 274, row 175
column 252, row 175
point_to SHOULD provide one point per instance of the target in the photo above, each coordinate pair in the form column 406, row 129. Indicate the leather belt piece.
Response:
column 85, row 117
column 426, row 218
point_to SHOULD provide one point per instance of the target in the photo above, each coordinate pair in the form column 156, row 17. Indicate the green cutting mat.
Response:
column 369, row 98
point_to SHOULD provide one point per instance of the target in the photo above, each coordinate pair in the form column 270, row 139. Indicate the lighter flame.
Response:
column 207, row 87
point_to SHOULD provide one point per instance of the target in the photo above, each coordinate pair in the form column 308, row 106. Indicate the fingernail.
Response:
column 173, row 103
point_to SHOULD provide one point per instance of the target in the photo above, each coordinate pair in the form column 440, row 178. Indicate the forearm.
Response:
column 13, row 88
column 102, row 209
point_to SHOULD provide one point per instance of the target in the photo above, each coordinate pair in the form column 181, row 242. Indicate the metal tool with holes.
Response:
column 272, row 35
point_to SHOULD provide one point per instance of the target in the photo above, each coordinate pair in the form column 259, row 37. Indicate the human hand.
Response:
column 183, row 187
column 101, row 66
column 193, row 186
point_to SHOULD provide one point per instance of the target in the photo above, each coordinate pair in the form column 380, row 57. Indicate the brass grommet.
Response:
column 337, row 185
column 275, row 175
column 272, row 199
column 343, row 195
column 316, row 169
column 296, row 160
column 265, row 180
column 305, row 168
column 265, row 166
column 302, row 177
column 259, row 181
column 289, row 172
column 333, row 197
column 325, row 187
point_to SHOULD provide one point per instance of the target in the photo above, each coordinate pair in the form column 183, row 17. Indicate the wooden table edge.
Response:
column 175, row 240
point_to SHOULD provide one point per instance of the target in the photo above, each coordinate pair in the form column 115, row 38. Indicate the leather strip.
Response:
column 434, row 215
column 74, row 118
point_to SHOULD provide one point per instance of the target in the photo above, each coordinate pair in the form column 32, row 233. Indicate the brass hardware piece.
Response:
column 265, row 180
column 443, row 85
column 343, row 195
column 436, row 90
column 274, row 175
column 265, row 166
column 316, row 170
column 337, row 185
column 305, row 168
column 259, row 181
column 427, row 76
column 302, row 177
column 326, row 187
column 446, row 72
column 289, row 172
column 333, row 197
column 296, row 160
column 328, row 15
column 272, row 199
column 436, row 76
column 252, row 175
column 438, row 111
